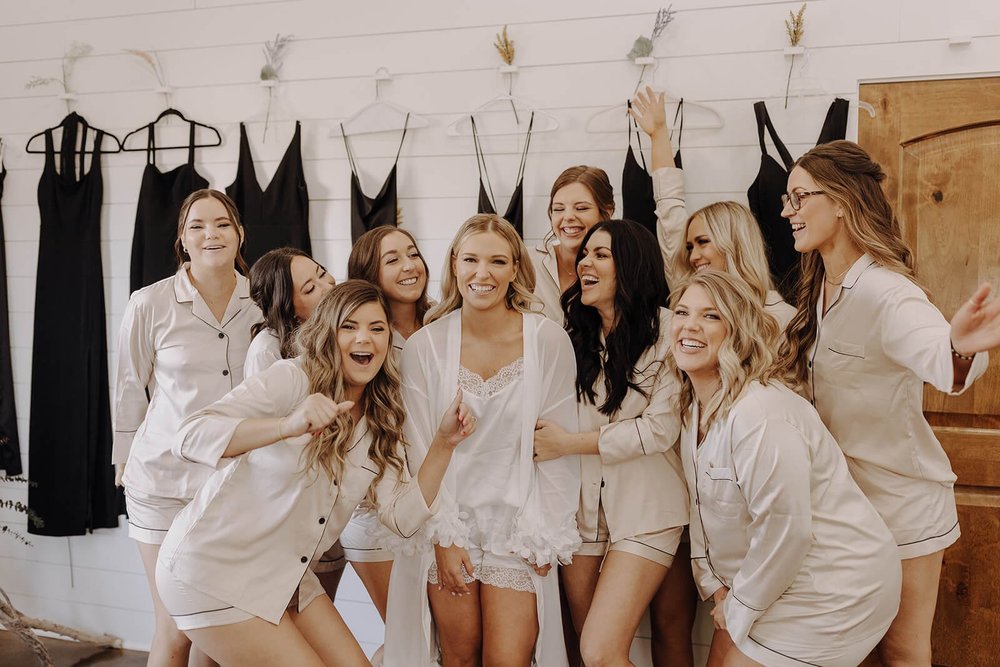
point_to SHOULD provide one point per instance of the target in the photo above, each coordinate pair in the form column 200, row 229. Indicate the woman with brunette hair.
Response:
column 182, row 345
column 800, row 565
column 634, row 501
column 388, row 257
column 505, row 519
column 309, row 438
column 863, row 342
column 286, row 284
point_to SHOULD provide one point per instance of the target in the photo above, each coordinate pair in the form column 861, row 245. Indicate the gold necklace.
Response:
column 840, row 276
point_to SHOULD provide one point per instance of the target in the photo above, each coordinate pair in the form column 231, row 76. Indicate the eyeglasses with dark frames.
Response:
column 795, row 198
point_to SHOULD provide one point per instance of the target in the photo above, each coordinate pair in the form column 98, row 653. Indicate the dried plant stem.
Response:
column 788, row 82
column 638, row 83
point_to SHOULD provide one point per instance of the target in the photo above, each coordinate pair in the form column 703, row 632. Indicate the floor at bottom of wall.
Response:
column 15, row 653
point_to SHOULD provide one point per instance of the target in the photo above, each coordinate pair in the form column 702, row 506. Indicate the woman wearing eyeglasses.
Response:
column 863, row 342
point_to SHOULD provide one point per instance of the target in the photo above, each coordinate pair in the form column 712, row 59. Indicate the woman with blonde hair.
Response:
column 182, row 345
column 864, row 341
column 800, row 565
column 505, row 520
column 308, row 439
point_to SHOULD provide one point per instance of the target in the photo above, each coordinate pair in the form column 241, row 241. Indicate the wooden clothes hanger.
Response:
column 164, row 114
column 379, row 115
column 74, row 117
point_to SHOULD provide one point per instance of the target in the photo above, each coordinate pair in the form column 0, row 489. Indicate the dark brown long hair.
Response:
column 365, row 262
column 273, row 290
column 231, row 210
column 849, row 177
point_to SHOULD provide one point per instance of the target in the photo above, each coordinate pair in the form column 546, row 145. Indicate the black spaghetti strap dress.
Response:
column 160, row 197
column 765, row 193
column 382, row 209
column 69, row 451
column 278, row 215
column 487, row 202
column 638, row 202
column 10, row 447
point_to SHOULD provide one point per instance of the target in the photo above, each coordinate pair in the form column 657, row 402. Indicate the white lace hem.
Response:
column 474, row 383
column 517, row 579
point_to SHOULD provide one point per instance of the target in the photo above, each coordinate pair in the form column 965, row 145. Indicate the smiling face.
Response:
column 703, row 254
column 819, row 223
column 402, row 272
column 596, row 270
column 484, row 268
column 310, row 282
column 363, row 340
column 572, row 212
column 210, row 236
column 697, row 333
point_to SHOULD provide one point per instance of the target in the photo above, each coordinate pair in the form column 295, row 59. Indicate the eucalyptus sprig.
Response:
column 274, row 58
column 795, row 28
column 642, row 47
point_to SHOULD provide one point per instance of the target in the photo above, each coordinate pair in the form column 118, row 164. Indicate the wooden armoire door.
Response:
column 939, row 143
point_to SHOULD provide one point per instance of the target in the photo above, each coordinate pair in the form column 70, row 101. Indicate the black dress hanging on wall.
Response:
column 382, row 209
column 10, row 448
column 160, row 199
column 765, row 193
column 278, row 215
column 515, row 207
column 69, row 452
column 638, row 202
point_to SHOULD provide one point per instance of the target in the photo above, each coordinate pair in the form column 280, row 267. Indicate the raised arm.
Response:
column 668, row 181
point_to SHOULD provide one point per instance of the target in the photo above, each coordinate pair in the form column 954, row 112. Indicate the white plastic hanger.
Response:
column 614, row 119
column 379, row 115
column 811, row 93
column 504, row 114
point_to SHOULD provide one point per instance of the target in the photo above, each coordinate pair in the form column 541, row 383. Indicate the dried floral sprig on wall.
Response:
column 152, row 61
column 795, row 25
column 505, row 46
column 75, row 51
column 795, row 28
column 642, row 47
column 274, row 58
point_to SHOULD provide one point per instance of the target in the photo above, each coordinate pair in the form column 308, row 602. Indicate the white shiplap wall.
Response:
column 725, row 53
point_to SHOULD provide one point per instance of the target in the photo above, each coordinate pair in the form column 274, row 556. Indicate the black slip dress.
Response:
column 10, row 448
column 487, row 202
column 638, row 201
column 765, row 193
column 380, row 210
column 69, row 450
column 160, row 199
column 278, row 215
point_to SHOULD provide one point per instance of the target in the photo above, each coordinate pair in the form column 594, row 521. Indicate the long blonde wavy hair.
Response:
column 849, row 177
column 381, row 400
column 746, row 354
column 735, row 233
column 520, row 295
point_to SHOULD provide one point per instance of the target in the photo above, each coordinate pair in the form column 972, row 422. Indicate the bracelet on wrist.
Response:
column 959, row 355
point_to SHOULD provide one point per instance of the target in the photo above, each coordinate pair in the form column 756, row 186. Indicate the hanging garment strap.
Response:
column 347, row 145
column 68, row 147
column 481, row 162
column 151, row 144
column 527, row 142
column 638, row 135
column 764, row 120
column 680, row 130
column 191, row 142
column 399, row 150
